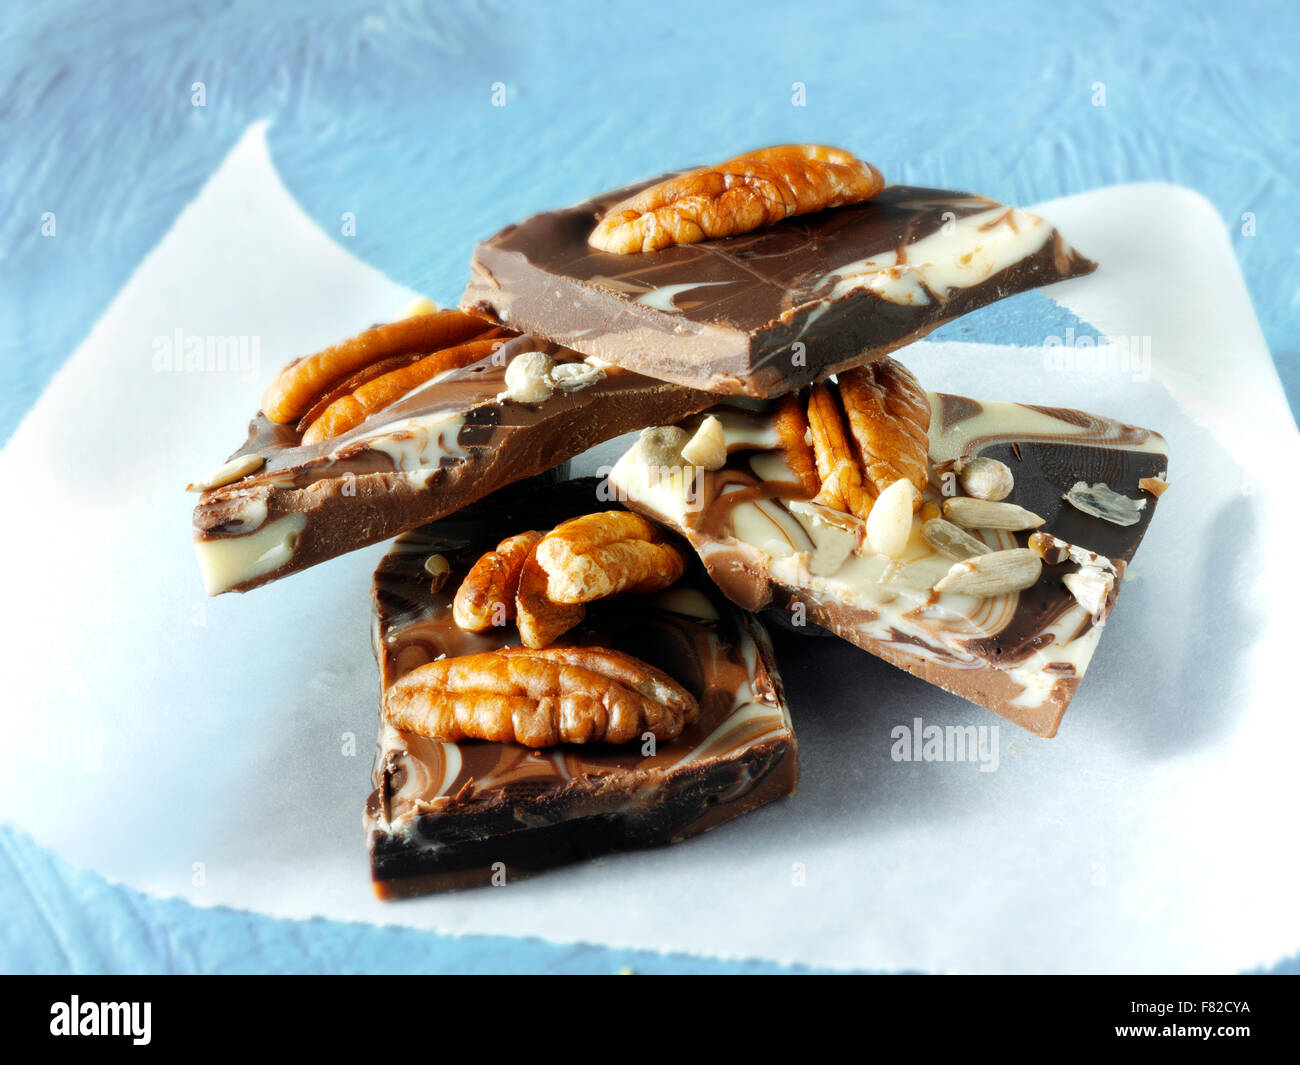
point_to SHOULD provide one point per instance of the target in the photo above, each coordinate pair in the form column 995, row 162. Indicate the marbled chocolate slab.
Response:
column 445, row 444
column 1021, row 654
column 768, row 311
column 447, row 815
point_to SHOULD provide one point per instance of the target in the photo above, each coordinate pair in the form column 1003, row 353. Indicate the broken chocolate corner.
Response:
column 452, row 815
column 282, row 505
column 1019, row 648
column 767, row 311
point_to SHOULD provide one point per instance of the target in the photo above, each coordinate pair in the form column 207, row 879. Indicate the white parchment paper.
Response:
column 219, row 749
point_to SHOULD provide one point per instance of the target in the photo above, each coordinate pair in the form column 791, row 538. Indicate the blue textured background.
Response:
column 385, row 110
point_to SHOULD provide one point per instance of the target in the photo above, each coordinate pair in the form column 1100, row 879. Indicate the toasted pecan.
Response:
column 889, row 417
column 540, row 698
column 347, row 412
column 540, row 619
column 599, row 555
column 791, row 421
column 302, row 382
column 486, row 597
column 837, row 465
column 751, row 190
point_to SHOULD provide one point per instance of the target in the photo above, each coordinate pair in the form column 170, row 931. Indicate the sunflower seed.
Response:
column 985, row 514
column 996, row 573
column 952, row 541
column 1101, row 501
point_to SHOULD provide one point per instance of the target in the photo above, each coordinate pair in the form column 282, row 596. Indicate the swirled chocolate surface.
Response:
column 765, row 312
column 443, row 445
column 1021, row 654
column 445, row 814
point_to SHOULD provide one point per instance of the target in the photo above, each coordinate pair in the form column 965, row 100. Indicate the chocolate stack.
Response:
column 576, row 667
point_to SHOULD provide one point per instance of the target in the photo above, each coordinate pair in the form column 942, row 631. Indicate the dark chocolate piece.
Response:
column 446, row 444
column 1021, row 654
column 449, row 815
column 766, row 312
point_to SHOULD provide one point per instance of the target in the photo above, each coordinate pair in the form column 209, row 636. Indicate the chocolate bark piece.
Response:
column 450, row 815
column 766, row 312
column 443, row 445
column 1020, row 654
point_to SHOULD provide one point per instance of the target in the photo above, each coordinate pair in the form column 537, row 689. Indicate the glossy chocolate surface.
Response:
column 1021, row 654
column 442, row 446
column 765, row 312
column 443, row 814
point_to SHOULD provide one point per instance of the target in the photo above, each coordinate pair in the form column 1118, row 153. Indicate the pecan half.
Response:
column 347, row 412
column 837, row 465
column 600, row 555
column 858, row 437
column 889, row 416
column 791, row 421
column 751, row 190
column 301, row 383
column 540, row 698
column 486, row 597
column 540, row 619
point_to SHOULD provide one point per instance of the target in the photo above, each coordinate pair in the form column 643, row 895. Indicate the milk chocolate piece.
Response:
column 1022, row 654
column 766, row 312
column 441, row 446
column 449, row 815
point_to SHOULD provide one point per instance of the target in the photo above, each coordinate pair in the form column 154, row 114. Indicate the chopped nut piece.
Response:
column 985, row 478
column 983, row 514
column 1101, row 501
column 228, row 473
column 1049, row 548
column 930, row 510
column 575, row 376
column 952, row 541
column 1154, row 485
column 1054, row 551
column 437, row 567
column 420, row 305
column 889, row 525
column 996, row 573
column 1091, row 586
column 528, row 378
column 708, row 447
column 660, row 447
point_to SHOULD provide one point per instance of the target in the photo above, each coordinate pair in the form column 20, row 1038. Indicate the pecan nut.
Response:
column 301, row 383
column 889, row 416
column 599, row 555
column 751, row 190
column 486, row 597
column 539, row 698
column 857, row 437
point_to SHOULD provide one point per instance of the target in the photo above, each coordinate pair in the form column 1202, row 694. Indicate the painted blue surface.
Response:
column 386, row 110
